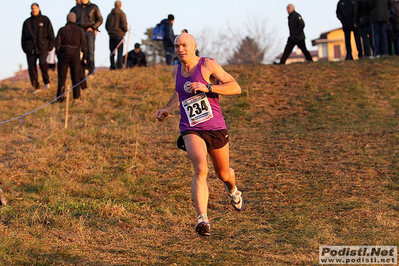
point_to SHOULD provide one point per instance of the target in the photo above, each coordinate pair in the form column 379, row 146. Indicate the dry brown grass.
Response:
column 315, row 148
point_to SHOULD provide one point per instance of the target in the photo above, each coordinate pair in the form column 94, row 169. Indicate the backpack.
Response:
column 158, row 33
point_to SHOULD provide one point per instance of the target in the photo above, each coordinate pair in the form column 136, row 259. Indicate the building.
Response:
column 331, row 46
column 297, row 56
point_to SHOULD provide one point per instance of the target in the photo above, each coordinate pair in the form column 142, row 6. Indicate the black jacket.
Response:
column 168, row 40
column 37, row 35
column 346, row 14
column 70, row 41
column 296, row 26
column 362, row 12
column 379, row 10
column 116, row 22
column 134, row 59
column 88, row 16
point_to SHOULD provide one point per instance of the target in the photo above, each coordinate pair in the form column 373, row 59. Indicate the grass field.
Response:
column 315, row 148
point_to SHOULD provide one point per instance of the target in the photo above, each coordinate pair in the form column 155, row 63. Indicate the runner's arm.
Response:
column 172, row 104
column 228, row 85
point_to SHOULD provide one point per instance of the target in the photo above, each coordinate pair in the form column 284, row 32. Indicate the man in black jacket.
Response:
column 379, row 15
column 70, row 42
column 346, row 14
column 297, row 36
column 89, row 18
column 37, row 41
column 136, row 57
column 116, row 26
column 168, row 40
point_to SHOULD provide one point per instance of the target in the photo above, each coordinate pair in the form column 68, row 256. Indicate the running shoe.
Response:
column 235, row 199
column 203, row 227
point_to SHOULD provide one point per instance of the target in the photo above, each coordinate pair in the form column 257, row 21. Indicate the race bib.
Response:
column 198, row 109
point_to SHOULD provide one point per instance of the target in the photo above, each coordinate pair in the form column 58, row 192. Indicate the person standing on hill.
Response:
column 168, row 39
column 362, row 22
column 116, row 25
column 346, row 14
column 379, row 15
column 37, row 42
column 297, row 36
column 202, row 126
column 69, row 43
column 89, row 18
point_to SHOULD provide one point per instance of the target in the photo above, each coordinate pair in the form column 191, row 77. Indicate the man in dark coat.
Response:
column 89, row 18
column 37, row 41
column 70, row 42
column 136, row 57
column 379, row 15
column 362, row 22
column 168, row 40
column 346, row 14
column 116, row 26
column 297, row 36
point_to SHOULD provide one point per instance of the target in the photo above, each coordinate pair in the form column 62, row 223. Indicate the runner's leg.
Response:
column 220, row 160
column 197, row 151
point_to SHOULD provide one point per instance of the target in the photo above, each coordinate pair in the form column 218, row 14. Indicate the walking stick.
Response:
column 127, row 46
column 67, row 109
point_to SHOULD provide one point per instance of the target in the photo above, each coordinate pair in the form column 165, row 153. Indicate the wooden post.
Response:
column 127, row 46
column 67, row 109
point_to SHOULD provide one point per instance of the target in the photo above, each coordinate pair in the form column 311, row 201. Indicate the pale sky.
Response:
column 319, row 17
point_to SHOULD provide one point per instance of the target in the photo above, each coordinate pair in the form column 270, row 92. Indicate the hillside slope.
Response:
column 314, row 145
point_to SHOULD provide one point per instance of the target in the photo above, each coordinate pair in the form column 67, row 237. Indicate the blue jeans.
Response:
column 169, row 54
column 90, row 39
column 379, row 38
column 114, row 40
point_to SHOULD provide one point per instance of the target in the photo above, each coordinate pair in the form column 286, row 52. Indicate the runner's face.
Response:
column 35, row 10
column 185, row 47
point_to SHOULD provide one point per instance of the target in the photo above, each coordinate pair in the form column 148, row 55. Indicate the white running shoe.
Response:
column 235, row 199
column 203, row 227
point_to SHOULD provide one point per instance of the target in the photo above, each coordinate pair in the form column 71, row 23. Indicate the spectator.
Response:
column 168, row 40
column 346, row 14
column 362, row 22
column 394, row 19
column 379, row 16
column 70, row 42
column 116, row 26
column 136, row 57
column 37, row 41
column 89, row 18
column 184, row 31
column 297, row 36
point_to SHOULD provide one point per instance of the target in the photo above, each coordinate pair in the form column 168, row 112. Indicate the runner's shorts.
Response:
column 214, row 139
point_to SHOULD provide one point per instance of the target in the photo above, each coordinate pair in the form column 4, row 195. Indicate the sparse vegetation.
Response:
column 315, row 148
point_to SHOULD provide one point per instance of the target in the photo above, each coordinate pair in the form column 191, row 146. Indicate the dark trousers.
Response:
column 288, row 49
column 379, row 38
column 348, row 44
column 396, row 42
column 113, row 43
column 364, row 35
column 169, row 54
column 32, row 66
column 73, row 62
column 90, row 39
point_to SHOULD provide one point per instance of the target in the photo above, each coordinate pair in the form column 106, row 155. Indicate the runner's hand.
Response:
column 197, row 87
column 161, row 114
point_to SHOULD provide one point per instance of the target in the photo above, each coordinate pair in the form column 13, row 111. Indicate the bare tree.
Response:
column 248, row 52
column 222, row 45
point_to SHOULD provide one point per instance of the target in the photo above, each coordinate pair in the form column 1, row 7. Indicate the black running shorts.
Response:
column 214, row 139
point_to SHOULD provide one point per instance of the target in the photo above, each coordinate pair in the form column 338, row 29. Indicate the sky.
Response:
column 196, row 16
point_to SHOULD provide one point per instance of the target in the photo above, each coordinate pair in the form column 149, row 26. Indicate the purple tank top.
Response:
column 199, row 111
